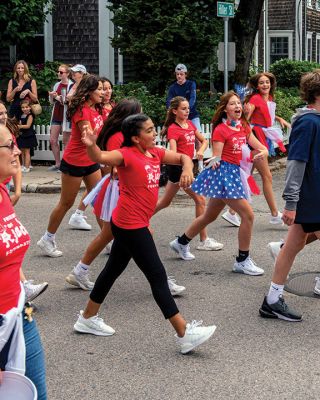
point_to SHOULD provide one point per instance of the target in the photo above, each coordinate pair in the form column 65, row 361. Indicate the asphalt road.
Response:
column 247, row 358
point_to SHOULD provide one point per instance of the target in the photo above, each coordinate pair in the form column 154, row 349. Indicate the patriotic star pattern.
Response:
column 223, row 182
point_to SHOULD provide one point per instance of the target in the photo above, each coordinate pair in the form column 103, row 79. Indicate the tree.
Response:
column 244, row 28
column 20, row 20
column 158, row 34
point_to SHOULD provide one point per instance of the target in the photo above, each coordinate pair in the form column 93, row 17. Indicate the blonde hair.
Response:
column 26, row 75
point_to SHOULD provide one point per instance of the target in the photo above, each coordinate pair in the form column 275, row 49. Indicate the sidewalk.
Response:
column 40, row 180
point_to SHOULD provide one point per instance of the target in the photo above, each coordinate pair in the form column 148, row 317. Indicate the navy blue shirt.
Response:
column 187, row 90
column 304, row 145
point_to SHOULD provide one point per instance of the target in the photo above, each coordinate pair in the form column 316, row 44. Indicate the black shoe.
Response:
column 279, row 310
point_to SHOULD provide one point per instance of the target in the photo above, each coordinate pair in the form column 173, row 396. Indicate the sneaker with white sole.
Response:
column 108, row 247
column 182, row 250
column 53, row 168
column 174, row 288
column 93, row 325
column 209, row 244
column 49, row 247
column 32, row 291
column 279, row 310
column 194, row 336
column 80, row 280
column 316, row 289
column 233, row 219
column 277, row 220
column 78, row 221
column 274, row 249
column 247, row 267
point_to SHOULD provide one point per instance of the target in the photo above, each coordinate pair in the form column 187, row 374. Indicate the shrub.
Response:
column 288, row 100
column 288, row 72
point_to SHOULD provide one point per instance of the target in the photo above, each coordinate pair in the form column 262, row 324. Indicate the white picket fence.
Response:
column 44, row 153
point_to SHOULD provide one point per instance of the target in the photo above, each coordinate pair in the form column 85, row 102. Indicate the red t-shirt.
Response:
column 261, row 113
column 107, row 111
column 233, row 140
column 115, row 141
column 75, row 152
column 14, row 242
column 139, row 186
column 185, row 138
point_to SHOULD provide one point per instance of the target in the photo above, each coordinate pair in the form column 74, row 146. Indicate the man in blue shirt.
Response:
column 185, row 88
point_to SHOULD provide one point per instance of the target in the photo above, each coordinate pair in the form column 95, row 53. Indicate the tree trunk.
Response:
column 244, row 28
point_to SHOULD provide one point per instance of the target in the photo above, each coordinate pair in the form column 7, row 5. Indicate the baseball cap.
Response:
column 79, row 68
column 181, row 68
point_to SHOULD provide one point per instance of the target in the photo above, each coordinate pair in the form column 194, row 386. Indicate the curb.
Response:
column 51, row 189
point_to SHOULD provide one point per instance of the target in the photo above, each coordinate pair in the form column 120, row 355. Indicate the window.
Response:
column 318, row 5
column 280, row 45
column 309, row 46
column 279, row 48
column 309, row 3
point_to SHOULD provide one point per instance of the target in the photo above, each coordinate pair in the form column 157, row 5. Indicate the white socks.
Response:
column 275, row 292
column 49, row 236
column 81, row 268
column 79, row 212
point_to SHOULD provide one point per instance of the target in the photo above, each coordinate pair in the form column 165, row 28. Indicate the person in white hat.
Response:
column 185, row 88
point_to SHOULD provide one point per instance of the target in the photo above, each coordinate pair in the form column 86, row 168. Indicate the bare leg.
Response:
column 179, row 324
column 54, row 142
column 170, row 191
column 200, row 205
column 98, row 244
column 90, row 182
column 243, row 208
column 294, row 243
column 27, row 158
column 264, row 171
column 212, row 211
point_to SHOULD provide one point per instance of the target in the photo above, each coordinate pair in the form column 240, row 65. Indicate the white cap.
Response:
column 79, row 68
column 181, row 68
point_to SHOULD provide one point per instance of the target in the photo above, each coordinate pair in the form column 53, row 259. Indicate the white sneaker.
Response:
column 274, row 249
column 26, row 170
column 78, row 221
column 108, row 247
column 182, row 250
column 49, row 247
column 32, row 291
column 233, row 219
column 174, row 288
column 93, row 325
column 209, row 244
column 277, row 220
column 316, row 289
column 194, row 336
column 23, row 168
column 80, row 280
column 247, row 267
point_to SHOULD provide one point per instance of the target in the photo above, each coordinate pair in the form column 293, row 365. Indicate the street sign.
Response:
column 225, row 10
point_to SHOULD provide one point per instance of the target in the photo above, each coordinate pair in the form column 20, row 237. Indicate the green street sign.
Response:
column 225, row 10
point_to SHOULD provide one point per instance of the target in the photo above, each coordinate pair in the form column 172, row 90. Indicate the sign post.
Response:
column 226, row 11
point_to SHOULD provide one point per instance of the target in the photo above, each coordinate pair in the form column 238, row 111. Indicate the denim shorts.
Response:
column 57, row 123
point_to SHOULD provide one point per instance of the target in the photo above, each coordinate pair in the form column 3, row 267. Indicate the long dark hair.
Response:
column 171, row 116
column 113, row 124
column 220, row 111
column 131, row 126
column 87, row 85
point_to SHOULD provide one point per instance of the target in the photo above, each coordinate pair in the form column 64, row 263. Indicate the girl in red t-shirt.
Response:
column 138, row 163
column 86, row 111
column 222, row 182
column 110, row 138
column 260, row 111
column 181, row 135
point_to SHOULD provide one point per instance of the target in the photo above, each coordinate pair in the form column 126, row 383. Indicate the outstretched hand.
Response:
column 186, row 179
column 89, row 136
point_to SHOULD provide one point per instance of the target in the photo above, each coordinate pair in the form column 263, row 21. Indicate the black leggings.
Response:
column 139, row 245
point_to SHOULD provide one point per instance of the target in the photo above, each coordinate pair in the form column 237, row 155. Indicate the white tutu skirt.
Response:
column 223, row 182
column 110, row 200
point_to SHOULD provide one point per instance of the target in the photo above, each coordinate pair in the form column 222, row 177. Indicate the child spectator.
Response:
column 27, row 139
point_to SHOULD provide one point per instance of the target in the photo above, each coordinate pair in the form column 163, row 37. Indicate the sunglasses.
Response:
column 10, row 146
column 61, row 72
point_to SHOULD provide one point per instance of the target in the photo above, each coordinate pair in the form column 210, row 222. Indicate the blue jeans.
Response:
column 35, row 363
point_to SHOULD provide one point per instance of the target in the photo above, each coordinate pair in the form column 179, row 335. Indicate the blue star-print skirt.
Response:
column 223, row 182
